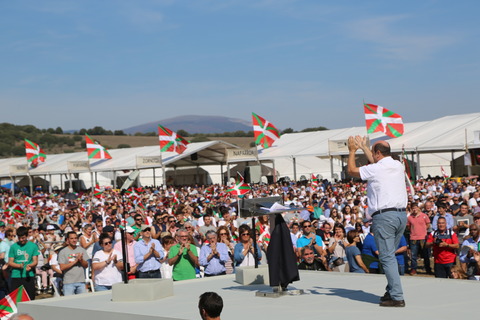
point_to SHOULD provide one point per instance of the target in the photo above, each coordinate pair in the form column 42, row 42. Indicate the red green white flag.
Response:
column 96, row 150
column 14, row 208
column 35, row 154
column 444, row 173
column 170, row 141
column 314, row 181
column 380, row 119
column 97, row 193
column 265, row 132
column 240, row 188
column 8, row 305
column 209, row 192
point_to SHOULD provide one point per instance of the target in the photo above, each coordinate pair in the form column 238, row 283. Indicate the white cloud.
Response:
column 392, row 43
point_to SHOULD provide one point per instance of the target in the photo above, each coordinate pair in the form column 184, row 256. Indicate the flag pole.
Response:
column 164, row 180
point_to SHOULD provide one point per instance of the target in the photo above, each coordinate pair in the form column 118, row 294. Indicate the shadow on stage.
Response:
column 358, row 295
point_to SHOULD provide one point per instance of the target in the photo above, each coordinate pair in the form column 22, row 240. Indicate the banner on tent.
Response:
column 476, row 137
column 78, row 166
column 242, row 154
column 143, row 162
column 336, row 146
column 18, row 169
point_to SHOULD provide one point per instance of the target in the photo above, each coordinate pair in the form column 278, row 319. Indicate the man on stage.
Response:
column 387, row 199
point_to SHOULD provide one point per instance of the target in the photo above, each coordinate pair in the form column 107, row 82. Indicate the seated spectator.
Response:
column 309, row 238
column 354, row 257
column 325, row 232
column 338, row 258
column 309, row 262
column 370, row 253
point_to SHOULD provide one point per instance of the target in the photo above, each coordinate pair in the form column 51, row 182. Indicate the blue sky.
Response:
column 116, row 64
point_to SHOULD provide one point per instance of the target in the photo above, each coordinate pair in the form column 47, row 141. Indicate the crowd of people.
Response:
column 71, row 242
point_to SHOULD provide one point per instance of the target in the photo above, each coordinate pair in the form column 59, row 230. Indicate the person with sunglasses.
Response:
column 148, row 255
column 137, row 226
column 309, row 238
column 224, row 237
column 107, row 264
column 244, row 250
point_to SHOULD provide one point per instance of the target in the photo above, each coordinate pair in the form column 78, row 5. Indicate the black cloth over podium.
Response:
column 282, row 261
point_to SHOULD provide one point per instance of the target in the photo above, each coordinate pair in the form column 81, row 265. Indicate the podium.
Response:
column 282, row 264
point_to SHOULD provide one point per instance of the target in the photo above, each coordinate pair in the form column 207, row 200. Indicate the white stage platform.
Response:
column 328, row 295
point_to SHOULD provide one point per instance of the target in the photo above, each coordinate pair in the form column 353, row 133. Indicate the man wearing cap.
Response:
column 129, row 231
column 387, row 199
column 148, row 253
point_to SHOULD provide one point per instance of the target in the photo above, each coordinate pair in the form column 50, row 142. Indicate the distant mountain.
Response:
column 195, row 124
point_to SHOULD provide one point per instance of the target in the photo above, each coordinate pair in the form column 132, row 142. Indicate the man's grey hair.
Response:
column 209, row 232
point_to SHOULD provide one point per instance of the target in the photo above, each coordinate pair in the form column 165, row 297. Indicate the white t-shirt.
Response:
column 386, row 186
column 109, row 275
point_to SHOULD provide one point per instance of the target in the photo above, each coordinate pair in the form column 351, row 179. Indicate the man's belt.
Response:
column 387, row 209
column 150, row 271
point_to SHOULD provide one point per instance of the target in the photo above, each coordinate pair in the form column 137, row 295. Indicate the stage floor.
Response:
column 328, row 295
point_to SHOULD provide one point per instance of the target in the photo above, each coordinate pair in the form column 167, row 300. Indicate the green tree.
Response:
column 18, row 151
column 314, row 129
column 183, row 133
column 59, row 130
column 288, row 130
column 119, row 133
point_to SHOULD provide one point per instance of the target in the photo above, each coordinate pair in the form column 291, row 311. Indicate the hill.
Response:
column 195, row 124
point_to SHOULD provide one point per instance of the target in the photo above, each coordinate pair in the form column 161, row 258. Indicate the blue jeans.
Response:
column 388, row 228
column 416, row 247
column 99, row 287
column 74, row 288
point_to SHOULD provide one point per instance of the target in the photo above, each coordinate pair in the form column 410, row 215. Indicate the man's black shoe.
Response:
column 393, row 303
column 385, row 297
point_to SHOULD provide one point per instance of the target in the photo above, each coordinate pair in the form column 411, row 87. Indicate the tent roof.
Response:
column 208, row 153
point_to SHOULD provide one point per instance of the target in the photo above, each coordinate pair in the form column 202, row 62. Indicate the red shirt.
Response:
column 443, row 255
column 418, row 226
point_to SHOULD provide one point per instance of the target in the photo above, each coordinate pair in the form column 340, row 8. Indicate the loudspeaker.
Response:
column 194, row 156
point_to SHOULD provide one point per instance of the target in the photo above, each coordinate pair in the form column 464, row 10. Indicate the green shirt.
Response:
column 23, row 254
column 184, row 269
